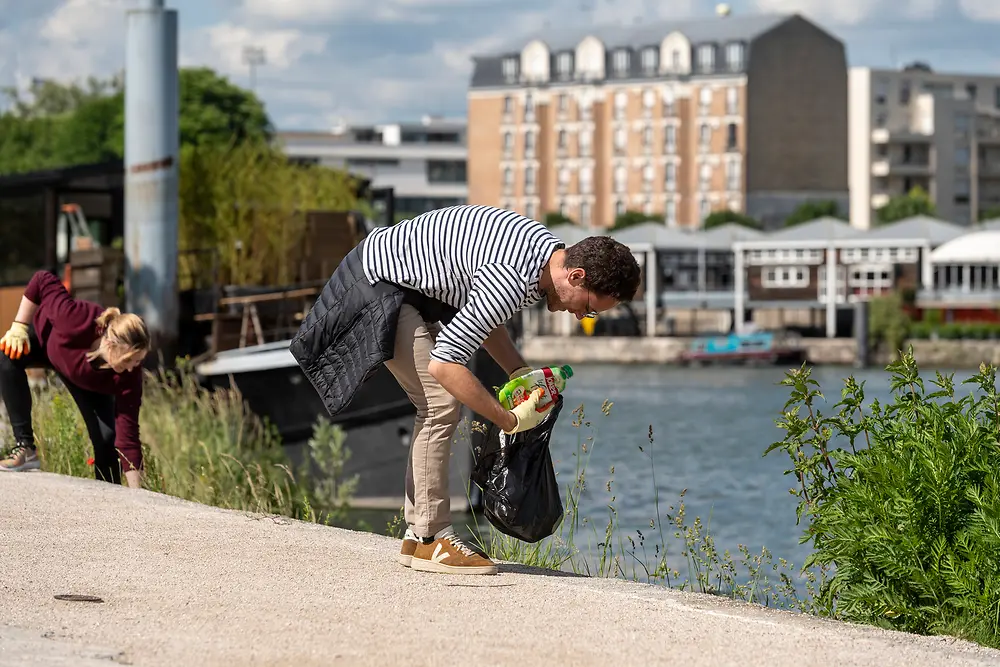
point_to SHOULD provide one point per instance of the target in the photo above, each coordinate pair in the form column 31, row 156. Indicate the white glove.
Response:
column 528, row 417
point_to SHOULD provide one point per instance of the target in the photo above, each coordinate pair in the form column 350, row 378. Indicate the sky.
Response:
column 372, row 61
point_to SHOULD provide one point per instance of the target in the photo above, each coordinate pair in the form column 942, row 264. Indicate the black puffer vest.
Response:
column 351, row 329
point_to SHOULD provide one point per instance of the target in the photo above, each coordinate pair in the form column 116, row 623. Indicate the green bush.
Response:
column 902, row 500
column 888, row 323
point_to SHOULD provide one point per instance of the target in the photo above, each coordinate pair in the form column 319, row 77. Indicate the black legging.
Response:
column 98, row 410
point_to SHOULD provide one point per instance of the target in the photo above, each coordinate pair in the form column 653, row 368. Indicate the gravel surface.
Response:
column 186, row 584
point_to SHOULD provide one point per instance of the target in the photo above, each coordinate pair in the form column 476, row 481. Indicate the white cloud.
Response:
column 844, row 11
column 981, row 10
column 320, row 11
column 221, row 46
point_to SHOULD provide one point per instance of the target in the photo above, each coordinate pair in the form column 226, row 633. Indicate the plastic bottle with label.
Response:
column 550, row 378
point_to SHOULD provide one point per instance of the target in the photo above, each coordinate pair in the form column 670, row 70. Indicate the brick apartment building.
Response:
column 740, row 112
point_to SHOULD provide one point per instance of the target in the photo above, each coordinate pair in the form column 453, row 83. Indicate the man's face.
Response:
column 569, row 294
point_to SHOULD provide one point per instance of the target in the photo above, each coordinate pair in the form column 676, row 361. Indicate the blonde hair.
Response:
column 123, row 331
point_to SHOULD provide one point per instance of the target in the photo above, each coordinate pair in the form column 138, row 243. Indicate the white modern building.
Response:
column 918, row 128
column 423, row 162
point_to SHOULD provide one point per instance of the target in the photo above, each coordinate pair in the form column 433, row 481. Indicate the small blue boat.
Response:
column 764, row 347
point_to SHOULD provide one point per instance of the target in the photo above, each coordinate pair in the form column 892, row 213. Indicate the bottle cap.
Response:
column 567, row 370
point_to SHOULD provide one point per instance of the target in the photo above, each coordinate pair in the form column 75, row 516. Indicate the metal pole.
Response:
column 151, row 171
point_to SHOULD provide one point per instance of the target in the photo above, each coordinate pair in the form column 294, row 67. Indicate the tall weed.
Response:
column 902, row 500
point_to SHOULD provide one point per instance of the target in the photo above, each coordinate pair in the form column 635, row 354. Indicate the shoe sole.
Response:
column 30, row 465
column 404, row 560
column 421, row 565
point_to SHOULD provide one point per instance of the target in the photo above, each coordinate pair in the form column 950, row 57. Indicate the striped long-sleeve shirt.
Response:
column 484, row 261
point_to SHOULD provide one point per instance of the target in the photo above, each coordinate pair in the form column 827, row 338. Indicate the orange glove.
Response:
column 15, row 342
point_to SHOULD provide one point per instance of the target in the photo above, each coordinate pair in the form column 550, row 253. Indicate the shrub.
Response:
column 902, row 500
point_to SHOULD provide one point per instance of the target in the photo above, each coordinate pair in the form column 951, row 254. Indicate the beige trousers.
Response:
column 428, row 496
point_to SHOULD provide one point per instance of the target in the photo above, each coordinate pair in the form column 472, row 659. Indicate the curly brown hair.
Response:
column 610, row 267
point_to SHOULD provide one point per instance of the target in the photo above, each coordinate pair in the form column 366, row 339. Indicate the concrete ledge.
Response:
column 964, row 354
column 186, row 584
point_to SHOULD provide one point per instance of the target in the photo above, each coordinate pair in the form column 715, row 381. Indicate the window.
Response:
column 584, row 141
column 647, row 136
column 619, row 207
column 670, row 177
column 446, row 171
column 996, row 97
column 705, row 177
column 650, row 59
column 705, row 136
column 671, row 212
column 563, row 208
column 621, row 139
column 508, row 142
column 731, row 137
column 529, row 108
column 509, row 68
column 962, row 156
column 733, row 176
column 706, row 58
column 530, row 210
column 22, row 240
column 563, row 102
column 564, row 176
column 508, row 176
column 647, row 206
column 881, row 91
column 732, row 101
column 648, row 99
column 734, row 56
column 561, row 141
column 704, row 208
column 585, row 214
column 705, row 100
column 586, row 178
column 675, row 60
column 508, row 105
column 529, row 180
column 648, row 173
column 564, row 65
column 621, row 102
column 668, row 102
column 785, row 276
column 670, row 139
column 904, row 92
column 529, row 144
column 620, row 62
column 621, row 178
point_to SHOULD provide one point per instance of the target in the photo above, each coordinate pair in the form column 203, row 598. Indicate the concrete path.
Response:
column 189, row 585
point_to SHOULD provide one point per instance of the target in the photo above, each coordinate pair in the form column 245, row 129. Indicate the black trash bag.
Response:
column 520, row 494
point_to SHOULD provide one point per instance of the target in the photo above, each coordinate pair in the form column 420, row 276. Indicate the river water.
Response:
column 710, row 429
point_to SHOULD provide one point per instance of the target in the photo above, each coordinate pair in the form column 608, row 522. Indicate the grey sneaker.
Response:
column 21, row 458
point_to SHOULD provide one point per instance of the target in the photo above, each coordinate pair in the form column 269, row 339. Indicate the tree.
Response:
column 632, row 218
column 915, row 202
column 811, row 210
column 68, row 124
column 719, row 218
column 555, row 218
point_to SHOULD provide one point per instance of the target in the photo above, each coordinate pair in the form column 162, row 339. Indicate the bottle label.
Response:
column 550, row 386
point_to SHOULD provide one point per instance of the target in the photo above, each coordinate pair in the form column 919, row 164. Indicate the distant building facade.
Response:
column 677, row 119
column 423, row 162
column 917, row 128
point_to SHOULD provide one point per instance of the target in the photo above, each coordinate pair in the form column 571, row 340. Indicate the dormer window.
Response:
column 735, row 56
column 620, row 62
column 564, row 65
column 650, row 60
column 509, row 69
column 706, row 58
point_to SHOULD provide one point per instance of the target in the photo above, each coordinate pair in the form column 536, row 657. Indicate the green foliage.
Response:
column 955, row 330
column 719, row 218
column 902, row 500
column 888, row 322
column 332, row 491
column 68, row 124
column 204, row 446
column 632, row 218
column 811, row 210
column 915, row 202
column 249, row 201
column 555, row 218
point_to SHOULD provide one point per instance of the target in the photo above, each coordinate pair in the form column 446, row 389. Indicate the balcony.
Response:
column 882, row 135
column 884, row 167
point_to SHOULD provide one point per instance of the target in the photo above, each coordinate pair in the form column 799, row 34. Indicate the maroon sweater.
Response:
column 66, row 328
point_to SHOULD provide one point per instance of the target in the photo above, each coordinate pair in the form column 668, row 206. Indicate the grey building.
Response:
column 423, row 162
